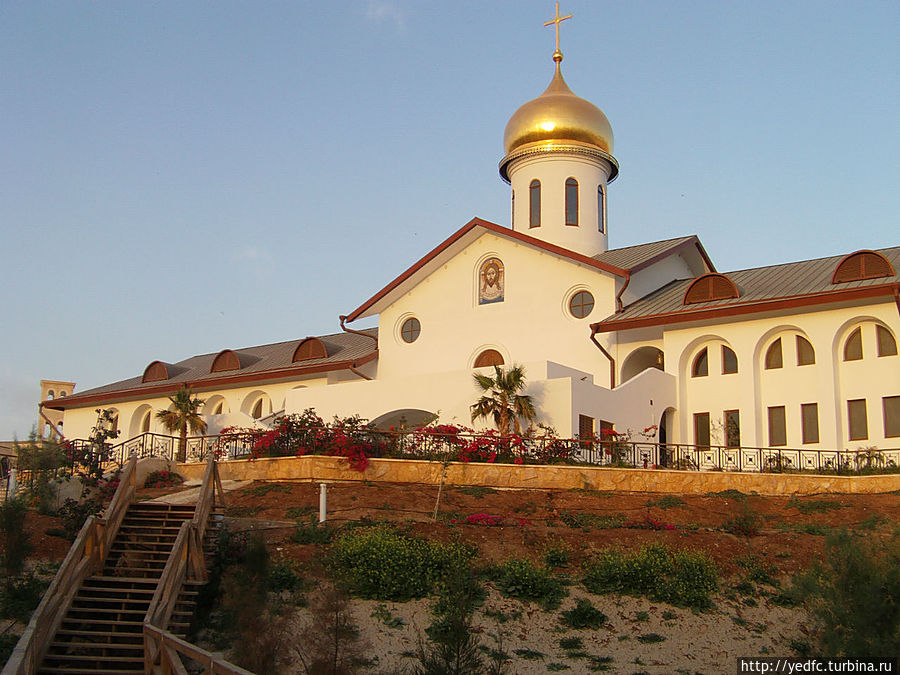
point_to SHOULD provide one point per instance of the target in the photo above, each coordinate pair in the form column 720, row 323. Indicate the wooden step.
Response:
column 102, row 636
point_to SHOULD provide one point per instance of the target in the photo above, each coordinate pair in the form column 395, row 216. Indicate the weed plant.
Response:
column 682, row 578
column 745, row 521
column 809, row 506
column 588, row 520
column 313, row 532
column 666, row 502
column 265, row 488
column 583, row 615
column 478, row 491
column 556, row 553
column 526, row 580
column 380, row 563
column 854, row 593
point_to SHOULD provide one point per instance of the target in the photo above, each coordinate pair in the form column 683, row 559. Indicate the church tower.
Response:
column 558, row 163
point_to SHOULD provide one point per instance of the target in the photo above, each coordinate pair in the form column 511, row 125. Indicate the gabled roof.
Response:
column 258, row 364
column 796, row 284
column 620, row 262
column 636, row 258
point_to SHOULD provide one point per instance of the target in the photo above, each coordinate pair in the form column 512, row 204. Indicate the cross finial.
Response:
column 557, row 55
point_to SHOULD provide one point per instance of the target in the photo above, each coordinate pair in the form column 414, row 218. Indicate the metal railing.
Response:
column 427, row 444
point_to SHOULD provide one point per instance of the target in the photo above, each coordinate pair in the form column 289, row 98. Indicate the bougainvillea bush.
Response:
column 159, row 479
column 308, row 434
column 456, row 443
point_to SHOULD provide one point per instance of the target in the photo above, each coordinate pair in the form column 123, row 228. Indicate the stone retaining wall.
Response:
column 536, row 477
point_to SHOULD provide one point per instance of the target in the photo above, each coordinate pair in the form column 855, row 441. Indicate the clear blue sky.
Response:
column 181, row 177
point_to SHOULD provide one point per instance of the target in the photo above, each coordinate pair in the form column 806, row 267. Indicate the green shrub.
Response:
column 854, row 593
column 556, row 553
column 666, row 502
column 282, row 576
column 651, row 638
column 587, row 520
column 682, row 578
column 526, row 580
column 382, row 564
column 21, row 595
column 7, row 644
column 813, row 505
column 583, row 615
column 313, row 532
column 13, row 537
column 304, row 512
column 744, row 521
column 74, row 513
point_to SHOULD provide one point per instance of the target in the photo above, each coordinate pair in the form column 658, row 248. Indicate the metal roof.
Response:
column 756, row 285
column 263, row 360
column 630, row 257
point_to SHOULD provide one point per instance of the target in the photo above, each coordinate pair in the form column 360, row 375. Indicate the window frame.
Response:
column 701, row 357
column 854, row 338
column 601, row 208
column 812, row 350
column 725, row 351
column 571, row 185
column 704, row 426
column 886, row 341
column 776, row 425
column 854, row 433
column 805, row 417
column 534, row 204
column 572, row 304
column 895, row 426
column 730, row 440
column 414, row 330
column 768, row 362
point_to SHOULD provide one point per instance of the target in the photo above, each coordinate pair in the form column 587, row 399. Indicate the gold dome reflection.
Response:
column 558, row 115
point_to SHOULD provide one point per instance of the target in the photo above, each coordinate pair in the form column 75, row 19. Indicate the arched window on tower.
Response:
column 512, row 210
column 534, row 204
column 601, row 209
column 571, row 202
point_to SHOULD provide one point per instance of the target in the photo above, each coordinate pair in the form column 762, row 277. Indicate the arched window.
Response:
column 773, row 356
column 887, row 345
column 571, row 202
column 601, row 209
column 62, row 394
column 701, row 364
column 155, row 372
column 806, row 355
column 257, row 410
column 489, row 357
column 534, row 204
column 219, row 407
column 50, row 395
column 853, row 347
column 729, row 361
column 145, row 423
column 512, row 210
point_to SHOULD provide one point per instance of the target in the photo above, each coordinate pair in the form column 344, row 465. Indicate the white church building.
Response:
column 798, row 355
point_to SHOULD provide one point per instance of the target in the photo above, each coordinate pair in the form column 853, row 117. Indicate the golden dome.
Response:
column 558, row 115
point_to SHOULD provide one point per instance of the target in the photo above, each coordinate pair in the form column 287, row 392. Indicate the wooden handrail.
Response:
column 162, row 649
column 85, row 556
column 170, row 646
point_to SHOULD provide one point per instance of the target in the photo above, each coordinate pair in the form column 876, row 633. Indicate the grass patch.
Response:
column 528, row 654
column 588, row 520
column 651, row 638
column 757, row 570
column 666, row 502
column 526, row 580
column 381, row 564
column 571, row 644
column 301, row 512
column 728, row 494
column 808, row 506
column 557, row 667
column 642, row 617
column 683, row 578
column 502, row 617
column 669, row 615
column 265, row 488
column 597, row 664
column 744, row 521
column 583, row 615
column 478, row 491
column 242, row 511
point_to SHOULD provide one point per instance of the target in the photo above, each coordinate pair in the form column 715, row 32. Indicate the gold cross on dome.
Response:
column 557, row 55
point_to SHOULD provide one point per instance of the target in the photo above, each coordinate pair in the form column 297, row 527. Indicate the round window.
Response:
column 581, row 304
column 410, row 330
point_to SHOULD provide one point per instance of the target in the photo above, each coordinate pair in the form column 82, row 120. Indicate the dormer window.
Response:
column 310, row 348
column 225, row 360
column 572, row 202
column 534, row 204
column 155, row 372
column 489, row 357
column 709, row 287
column 862, row 265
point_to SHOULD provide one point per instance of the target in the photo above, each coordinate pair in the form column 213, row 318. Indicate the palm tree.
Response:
column 501, row 399
column 182, row 415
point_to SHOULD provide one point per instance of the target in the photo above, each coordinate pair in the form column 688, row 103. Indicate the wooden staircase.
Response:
column 102, row 631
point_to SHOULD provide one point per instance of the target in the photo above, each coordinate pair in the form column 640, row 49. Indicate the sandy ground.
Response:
column 705, row 643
